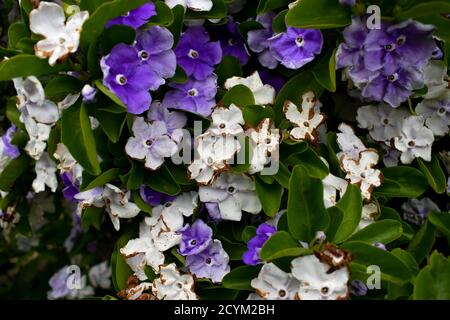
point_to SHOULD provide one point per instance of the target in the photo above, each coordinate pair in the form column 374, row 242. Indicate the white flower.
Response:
column 45, row 174
column 227, row 121
column 316, row 282
column 68, row 101
column 275, row 284
column 307, row 121
column 415, row 140
column 91, row 197
column 370, row 212
column 332, row 186
column 168, row 218
column 100, row 275
column 265, row 141
column 134, row 291
column 234, row 193
column 263, row 93
column 142, row 252
column 349, row 143
column 436, row 113
column 171, row 285
column 118, row 205
column 29, row 91
column 214, row 153
column 360, row 172
column 60, row 37
column 435, row 74
column 382, row 121
column 194, row 5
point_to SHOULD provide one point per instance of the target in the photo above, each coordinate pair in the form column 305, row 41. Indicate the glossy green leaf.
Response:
column 92, row 216
column 325, row 71
column 441, row 220
column 351, row 207
column 117, row 34
column 161, row 180
column 311, row 161
column 402, row 182
column 383, row 231
column 12, row 171
column 281, row 244
column 254, row 114
column 270, row 196
column 434, row 174
column 239, row 278
column 433, row 281
column 239, row 95
column 422, row 243
column 102, row 179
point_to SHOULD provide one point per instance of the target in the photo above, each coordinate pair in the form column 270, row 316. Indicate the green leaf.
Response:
column 248, row 233
column 254, row 114
column 433, row 281
column 440, row 22
column 280, row 245
column 180, row 75
column 336, row 217
column 177, row 26
column 227, row 68
column 24, row 65
column 319, row 14
column 117, row 34
column 12, row 171
column 142, row 205
column 77, row 135
column 239, row 95
column 434, row 174
column 384, row 231
column 235, row 250
column 60, row 86
column 402, row 182
column 111, row 123
column 269, row 5
column 104, row 178
column 311, row 161
column 282, row 176
column 278, row 23
column 393, row 268
column 423, row 9
column 13, row 114
column 325, row 71
column 109, row 94
column 16, row 32
column 161, row 180
column 240, row 278
column 270, row 196
column 92, row 216
column 306, row 212
column 120, row 271
column 95, row 24
column 441, row 220
column 351, row 206
column 423, row 242
column 164, row 15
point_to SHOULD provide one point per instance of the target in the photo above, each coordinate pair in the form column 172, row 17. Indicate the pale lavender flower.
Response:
column 9, row 149
column 195, row 238
column 258, row 40
column 135, row 18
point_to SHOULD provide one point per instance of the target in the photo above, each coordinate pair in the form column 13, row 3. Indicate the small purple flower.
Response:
column 296, row 47
column 213, row 211
column 196, row 54
column 58, row 284
column 71, row 188
column 195, row 238
column 10, row 149
column 196, row 96
column 273, row 78
column 258, row 40
column 154, row 198
column 409, row 43
column 130, row 80
column 232, row 43
column 135, row 18
column 347, row 2
column 379, row 245
column 154, row 47
column 211, row 263
column 358, row 288
column 173, row 119
column 263, row 233
column 416, row 211
column 150, row 142
column 393, row 87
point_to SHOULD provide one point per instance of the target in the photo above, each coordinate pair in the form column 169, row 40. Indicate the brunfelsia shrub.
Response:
column 196, row 149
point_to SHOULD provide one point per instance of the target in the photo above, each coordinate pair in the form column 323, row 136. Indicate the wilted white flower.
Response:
column 370, row 212
column 91, row 197
column 349, row 143
column 194, row 5
column 45, row 174
column 227, row 121
column 307, row 121
column 265, row 141
column 234, row 193
column 382, row 121
column 275, row 284
column 29, row 91
column 263, row 93
column 60, row 37
column 332, row 187
column 135, row 290
column 118, row 205
column 415, row 140
column 171, row 285
column 100, row 275
column 317, row 282
column 361, row 172
column 436, row 113
column 168, row 218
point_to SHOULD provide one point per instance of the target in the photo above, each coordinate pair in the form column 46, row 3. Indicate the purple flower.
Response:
column 296, row 47
column 130, row 80
column 154, row 198
column 393, row 87
column 258, row 40
column 263, row 233
column 196, row 54
column 195, row 238
column 232, row 43
column 213, row 211
column 154, row 47
column 196, row 96
column 211, row 263
column 173, row 119
column 58, row 284
column 358, row 288
column 10, row 149
column 74, row 232
column 135, row 18
column 409, row 43
column 273, row 78
column 347, row 2
column 71, row 188
column 150, row 142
